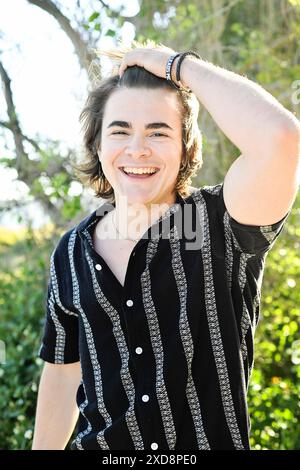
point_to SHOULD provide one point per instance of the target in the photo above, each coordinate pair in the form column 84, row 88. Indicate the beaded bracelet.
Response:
column 182, row 56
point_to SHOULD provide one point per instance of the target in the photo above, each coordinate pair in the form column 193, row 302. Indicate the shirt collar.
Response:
column 88, row 223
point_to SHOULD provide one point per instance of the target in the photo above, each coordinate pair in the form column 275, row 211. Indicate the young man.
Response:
column 155, row 324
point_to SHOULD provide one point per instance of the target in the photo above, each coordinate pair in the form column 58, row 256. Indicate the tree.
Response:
column 249, row 38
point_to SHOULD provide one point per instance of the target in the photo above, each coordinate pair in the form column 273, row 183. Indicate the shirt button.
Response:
column 139, row 350
column 145, row 398
column 154, row 446
column 98, row 267
column 129, row 303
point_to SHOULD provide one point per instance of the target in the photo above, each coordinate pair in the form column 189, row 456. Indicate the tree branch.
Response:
column 114, row 14
column 34, row 144
column 85, row 57
column 13, row 124
column 27, row 170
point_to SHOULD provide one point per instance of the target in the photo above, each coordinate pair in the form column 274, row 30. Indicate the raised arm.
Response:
column 261, row 185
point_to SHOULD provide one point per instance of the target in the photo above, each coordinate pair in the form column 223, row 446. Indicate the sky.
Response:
column 49, row 89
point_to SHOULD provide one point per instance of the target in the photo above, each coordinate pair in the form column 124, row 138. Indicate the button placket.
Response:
column 139, row 350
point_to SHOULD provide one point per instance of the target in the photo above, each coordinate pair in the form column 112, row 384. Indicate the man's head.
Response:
column 138, row 99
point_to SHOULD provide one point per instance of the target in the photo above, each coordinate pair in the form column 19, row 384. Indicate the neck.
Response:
column 134, row 219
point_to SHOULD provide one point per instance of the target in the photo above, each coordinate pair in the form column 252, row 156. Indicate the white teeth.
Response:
column 139, row 171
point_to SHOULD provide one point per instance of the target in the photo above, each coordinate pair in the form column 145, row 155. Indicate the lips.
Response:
column 139, row 176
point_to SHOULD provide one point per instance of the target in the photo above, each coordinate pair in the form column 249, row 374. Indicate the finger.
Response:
column 121, row 71
column 122, row 68
column 131, row 58
column 124, row 64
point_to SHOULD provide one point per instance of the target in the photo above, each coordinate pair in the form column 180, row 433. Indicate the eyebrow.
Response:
column 151, row 125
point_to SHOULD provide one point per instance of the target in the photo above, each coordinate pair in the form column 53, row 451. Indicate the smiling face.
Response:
column 142, row 129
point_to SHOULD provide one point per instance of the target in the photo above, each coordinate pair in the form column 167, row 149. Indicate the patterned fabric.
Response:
column 166, row 359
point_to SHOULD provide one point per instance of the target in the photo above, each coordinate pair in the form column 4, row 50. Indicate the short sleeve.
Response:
column 249, row 239
column 60, row 336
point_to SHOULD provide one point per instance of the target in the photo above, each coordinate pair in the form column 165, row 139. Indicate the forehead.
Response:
column 141, row 103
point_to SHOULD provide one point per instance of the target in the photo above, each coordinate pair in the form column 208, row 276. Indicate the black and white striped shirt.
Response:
column 166, row 359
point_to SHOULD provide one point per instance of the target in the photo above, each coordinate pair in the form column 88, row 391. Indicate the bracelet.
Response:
column 168, row 69
column 181, row 58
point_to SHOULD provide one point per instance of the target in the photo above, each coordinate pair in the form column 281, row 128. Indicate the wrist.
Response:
column 181, row 69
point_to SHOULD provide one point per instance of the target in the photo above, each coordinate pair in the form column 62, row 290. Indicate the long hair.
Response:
column 89, row 171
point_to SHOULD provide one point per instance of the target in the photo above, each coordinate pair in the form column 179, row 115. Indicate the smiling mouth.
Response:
column 139, row 175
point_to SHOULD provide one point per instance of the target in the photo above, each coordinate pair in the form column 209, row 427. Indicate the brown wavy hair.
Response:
column 89, row 171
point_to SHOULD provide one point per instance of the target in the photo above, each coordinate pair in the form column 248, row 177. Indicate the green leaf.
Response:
column 93, row 17
column 110, row 32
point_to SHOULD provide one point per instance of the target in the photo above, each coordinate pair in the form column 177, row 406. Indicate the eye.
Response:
column 156, row 134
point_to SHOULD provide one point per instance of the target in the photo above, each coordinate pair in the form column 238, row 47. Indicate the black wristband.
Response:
column 181, row 58
column 169, row 69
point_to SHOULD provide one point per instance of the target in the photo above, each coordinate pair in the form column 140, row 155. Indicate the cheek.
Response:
column 106, row 163
column 109, row 152
column 175, row 160
column 110, row 148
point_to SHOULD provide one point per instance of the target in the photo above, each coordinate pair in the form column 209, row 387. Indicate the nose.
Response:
column 137, row 146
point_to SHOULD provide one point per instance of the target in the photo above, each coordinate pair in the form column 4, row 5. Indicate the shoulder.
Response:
column 205, row 192
column 71, row 236
column 78, row 231
column 60, row 252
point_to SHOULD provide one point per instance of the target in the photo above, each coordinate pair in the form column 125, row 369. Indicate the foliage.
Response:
column 274, row 390
column 22, row 289
column 53, row 182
